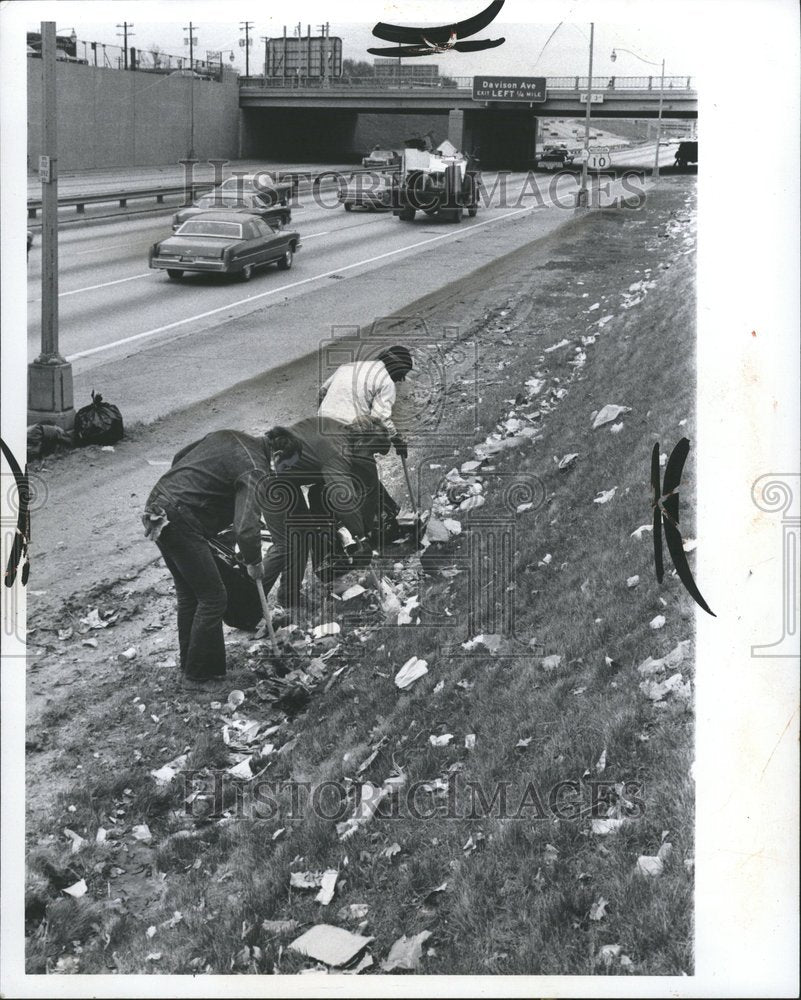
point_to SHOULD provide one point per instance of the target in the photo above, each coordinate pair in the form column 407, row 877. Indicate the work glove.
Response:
column 401, row 448
column 255, row 571
column 362, row 554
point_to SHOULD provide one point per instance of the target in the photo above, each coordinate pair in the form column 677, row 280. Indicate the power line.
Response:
column 246, row 26
column 126, row 30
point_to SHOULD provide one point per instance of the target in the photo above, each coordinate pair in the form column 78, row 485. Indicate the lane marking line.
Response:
column 283, row 288
column 105, row 284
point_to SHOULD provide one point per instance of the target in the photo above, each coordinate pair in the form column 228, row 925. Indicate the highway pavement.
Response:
column 153, row 345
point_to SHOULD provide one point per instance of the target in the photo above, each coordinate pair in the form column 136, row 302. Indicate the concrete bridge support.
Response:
column 307, row 135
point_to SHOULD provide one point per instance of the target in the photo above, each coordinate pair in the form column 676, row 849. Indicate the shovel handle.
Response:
column 267, row 617
column 408, row 483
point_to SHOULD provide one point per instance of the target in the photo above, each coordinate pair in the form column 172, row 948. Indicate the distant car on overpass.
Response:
column 224, row 243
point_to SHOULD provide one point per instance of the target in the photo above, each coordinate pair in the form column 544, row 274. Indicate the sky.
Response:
column 652, row 30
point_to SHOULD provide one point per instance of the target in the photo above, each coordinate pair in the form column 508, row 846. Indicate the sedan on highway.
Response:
column 224, row 243
column 250, row 204
column 259, row 184
column 370, row 191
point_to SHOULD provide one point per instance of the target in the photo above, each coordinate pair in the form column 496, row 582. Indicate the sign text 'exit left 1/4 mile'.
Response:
column 509, row 88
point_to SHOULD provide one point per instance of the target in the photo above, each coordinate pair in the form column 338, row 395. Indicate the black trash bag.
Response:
column 244, row 605
column 98, row 423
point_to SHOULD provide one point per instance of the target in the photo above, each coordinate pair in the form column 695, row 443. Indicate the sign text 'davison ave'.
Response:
column 509, row 88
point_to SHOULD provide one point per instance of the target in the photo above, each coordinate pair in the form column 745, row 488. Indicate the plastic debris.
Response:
column 598, row 909
column 609, row 413
column 406, row 953
column 91, row 643
column 405, row 612
column 165, row 774
column 566, row 460
column 523, row 507
column 329, row 628
column 77, row 840
column 279, row 927
column 657, row 622
column 354, row 911
column 436, row 531
column 328, row 885
column 490, row 642
column 470, row 741
column 128, row 654
column 412, row 670
column 142, row 832
column 605, row 495
column 77, row 889
column 305, row 880
column 241, row 770
column 93, row 620
column 331, row 945
column 355, row 591
column 551, row 662
column 637, row 533
column 632, row 581
column 651, row 867
column 471, row 503
column 607, row 953
column 470, row 466
column 454, row 527
column 370, row 798
column 440, row 741
column 616, row 428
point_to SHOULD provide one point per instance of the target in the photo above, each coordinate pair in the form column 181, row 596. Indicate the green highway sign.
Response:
column 530, row 89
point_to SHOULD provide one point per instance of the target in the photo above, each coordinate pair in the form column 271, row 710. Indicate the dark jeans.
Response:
column 287, row 517
column 201, row 597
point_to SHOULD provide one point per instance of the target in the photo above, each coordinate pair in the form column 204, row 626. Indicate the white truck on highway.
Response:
column 440, row 182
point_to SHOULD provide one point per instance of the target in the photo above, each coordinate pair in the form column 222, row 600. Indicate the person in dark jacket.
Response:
column 329, row 458
column 226, row 477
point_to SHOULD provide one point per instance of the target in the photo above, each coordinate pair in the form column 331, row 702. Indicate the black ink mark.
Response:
column 19, row 548
column 666, row 514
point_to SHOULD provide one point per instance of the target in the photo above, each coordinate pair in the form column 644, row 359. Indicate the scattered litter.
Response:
column 355, row 591
column 609, row 413
column 657, row 622
column 77, row 890
column 471, row 503
column 637, row 533
column 330, row 945
column 153, row 956
column 607, row 953
column 550, row 854
column 650, row 866
column 151, row 932
column 578, row 690
column 600, row 764
column 675, row 683
column 100, row 836
column 142, row 832
column 77, row 840
column 534, row 385
column 598, row 909
column 594, row 306
column 689, row 544
column 603, row 827
column 470, row 466
column 127, row 654
column 523, row 507
column 436, row 531
column 551, row 662
column 411, row 671
column 235, row 699
column 370, row 798
column 406, row 953
column 305, row 880
column 566, row 460
column 327, row 629
column 91, row 643
column 562, row 343
column 405, row 612
column 165, row 774
column 546, row 560
column 280, row 927
column 454, row 527
column 470, row 741
column 491, row 642
column 524, row 743
column 440, row 685
column 605, row 495
column 328, row 885
column 616, row 428
column 242, row 770
column 93, row 620
column 366, row 962
column 663, row 460
column 354, row 911
column 632, row 581
column 391, row 851
column 65, row 633
column 440, row 741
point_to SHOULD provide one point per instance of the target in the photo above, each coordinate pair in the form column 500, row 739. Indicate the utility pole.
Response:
column 246, row 26
column 126, row 30
column 191, row 154
column 266, row 40
column 50, row 376
column 659, row 122
column 583, row 195
column 325, row 31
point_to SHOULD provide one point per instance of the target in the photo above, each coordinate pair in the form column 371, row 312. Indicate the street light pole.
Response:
column 659, row 122
column 191, row 154
column 50, row 376
column 583, row 195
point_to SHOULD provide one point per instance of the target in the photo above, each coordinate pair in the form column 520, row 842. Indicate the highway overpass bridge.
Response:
column 274, row 109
